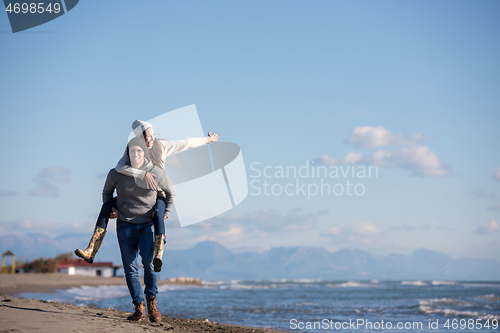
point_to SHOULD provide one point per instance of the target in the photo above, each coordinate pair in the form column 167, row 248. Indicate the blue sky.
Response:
column 410, row 87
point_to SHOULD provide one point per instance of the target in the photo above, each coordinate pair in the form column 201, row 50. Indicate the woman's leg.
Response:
column 159, row 226
column 158, row 221
column 106, row 209
column 100, row 230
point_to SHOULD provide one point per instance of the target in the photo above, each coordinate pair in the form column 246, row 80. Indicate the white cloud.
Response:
column 332, row 231
column 374, row 137
column 47, row 180
column 365, row 229
column 348, row 159
column 233, row 234
column 420, row 160
column 409, row 155
column 326, row 160
column 361, row 232
column 488, row 228
column 370, row 137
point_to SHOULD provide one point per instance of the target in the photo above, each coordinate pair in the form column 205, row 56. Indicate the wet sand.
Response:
column 29, row 315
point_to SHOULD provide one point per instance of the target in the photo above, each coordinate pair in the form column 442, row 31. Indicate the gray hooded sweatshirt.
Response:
column 134, row 201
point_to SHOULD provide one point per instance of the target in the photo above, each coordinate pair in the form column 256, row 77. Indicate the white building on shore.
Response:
column 80, row 267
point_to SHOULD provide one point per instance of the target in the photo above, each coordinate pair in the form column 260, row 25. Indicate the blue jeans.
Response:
column 158, row 222
column 159, row 209
column 137, row 239
column 103, row 218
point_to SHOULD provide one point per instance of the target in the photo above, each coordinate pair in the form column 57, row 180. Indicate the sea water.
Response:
column 316, row 305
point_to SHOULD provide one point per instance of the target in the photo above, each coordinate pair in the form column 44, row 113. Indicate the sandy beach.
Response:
column 29, row 315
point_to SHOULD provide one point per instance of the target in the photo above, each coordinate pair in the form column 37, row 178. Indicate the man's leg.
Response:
column 128, row 239
column 146, row 248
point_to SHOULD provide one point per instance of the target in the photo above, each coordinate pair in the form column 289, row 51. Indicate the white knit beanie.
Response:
column 140, row 126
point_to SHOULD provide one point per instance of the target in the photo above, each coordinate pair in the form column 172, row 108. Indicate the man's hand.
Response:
column 149, row 178
column 164, row 216
column 114, row 213
column 213, row 137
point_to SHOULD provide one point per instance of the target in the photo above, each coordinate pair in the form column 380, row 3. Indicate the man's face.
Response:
column 149, row 137
column 136, row 155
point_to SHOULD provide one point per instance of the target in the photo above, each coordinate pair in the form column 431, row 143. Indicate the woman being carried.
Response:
column 158, row 150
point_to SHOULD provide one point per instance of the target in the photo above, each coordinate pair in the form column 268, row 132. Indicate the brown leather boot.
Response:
column 140, row 312
column 154, row 314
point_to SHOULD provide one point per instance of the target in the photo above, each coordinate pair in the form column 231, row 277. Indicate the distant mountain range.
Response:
column 212, row 261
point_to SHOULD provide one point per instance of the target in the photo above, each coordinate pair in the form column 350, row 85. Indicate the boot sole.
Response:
column 157, row 264
column 79, row 254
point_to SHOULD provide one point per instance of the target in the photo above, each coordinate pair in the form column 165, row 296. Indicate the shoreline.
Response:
column 24, row 315
column 13, row 284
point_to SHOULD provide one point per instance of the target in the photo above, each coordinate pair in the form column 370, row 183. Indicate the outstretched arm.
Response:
column 174, row 147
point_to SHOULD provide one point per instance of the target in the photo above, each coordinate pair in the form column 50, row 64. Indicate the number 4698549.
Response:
column 470, row 324
column 33, row 8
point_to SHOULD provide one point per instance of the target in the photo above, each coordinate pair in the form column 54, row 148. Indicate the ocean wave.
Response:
column 240, row 285
column 221, row 282
column 262, row 284
column 173, row 287
column 432, row 306
column 246, row 286
column 490, row 317
column 87, row 293
column 306, row 280
column 350, row 284
column 491, row 297
column 443, row 283
column 448, row 301
column 427, row 310
column 413, row 283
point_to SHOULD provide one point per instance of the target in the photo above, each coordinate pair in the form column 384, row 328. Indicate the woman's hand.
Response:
column 114, row 213
column 213, row 137
column 149, row 178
